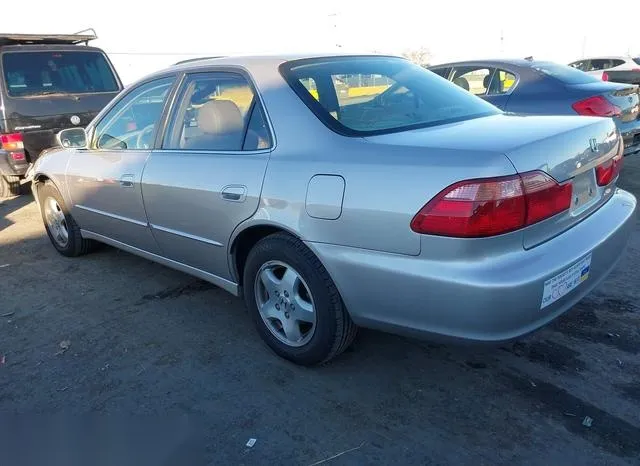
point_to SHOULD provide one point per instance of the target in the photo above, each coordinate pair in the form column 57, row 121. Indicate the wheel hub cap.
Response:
column 285, row 303
column 56, row 221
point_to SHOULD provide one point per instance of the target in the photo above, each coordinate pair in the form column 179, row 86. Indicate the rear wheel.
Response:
column 62, row 229
column 295, row 305
column 9, row 186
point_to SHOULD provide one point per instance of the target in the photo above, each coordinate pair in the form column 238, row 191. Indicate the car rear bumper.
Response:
column 488, row 299
column 8, row 167
column 631, row 136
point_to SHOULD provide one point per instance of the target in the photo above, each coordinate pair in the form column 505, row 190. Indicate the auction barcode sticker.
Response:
column 558, row 286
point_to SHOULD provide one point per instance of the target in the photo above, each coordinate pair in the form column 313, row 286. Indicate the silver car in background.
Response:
column 333, row 192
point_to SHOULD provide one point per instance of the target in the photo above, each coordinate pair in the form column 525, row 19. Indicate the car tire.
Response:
column 9, row 186
column 62, row 229
column 332, row 331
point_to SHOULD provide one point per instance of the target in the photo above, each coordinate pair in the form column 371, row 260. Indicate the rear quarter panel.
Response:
column 539, row 95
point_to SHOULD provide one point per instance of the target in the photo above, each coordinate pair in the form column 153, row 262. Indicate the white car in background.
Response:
column 615, row 69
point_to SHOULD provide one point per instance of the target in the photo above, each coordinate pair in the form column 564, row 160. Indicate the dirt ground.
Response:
column 113, row 334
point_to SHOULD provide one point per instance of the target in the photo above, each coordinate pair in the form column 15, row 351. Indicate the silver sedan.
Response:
column 333, row 192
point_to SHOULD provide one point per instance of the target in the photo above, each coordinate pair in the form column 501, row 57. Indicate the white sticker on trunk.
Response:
column 558, row 286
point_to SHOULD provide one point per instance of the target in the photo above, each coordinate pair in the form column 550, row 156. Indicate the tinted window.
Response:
column 600, row 64
column 42, row 73
column 444, row 72
column 616, row 63
column 214, row 112
column 566, row 74
column 131, row 123
column 582, row 65
column 637, row 60
column 371, row 95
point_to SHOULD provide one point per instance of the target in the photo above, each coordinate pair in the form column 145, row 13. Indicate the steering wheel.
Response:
column 146, row 131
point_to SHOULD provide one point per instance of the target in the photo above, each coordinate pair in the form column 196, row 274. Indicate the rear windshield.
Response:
column 373, row 95
column 564, row 73
column 57, row 72
column 637, row 60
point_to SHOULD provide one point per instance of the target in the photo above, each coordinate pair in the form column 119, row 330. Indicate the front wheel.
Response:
column 62, row 229
column 295, row 305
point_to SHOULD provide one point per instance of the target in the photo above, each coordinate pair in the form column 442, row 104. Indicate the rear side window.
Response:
column 598, row 64
column 218, row 111
column 617, row 63
column 564, row 73
column 57, row 72
column 373, row 95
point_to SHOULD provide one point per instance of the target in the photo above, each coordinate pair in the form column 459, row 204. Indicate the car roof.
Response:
column 250, row 61
column 604, row 57
column 47, row 47
column 492, row 62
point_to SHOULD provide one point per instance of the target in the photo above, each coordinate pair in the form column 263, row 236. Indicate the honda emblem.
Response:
column 593, row 143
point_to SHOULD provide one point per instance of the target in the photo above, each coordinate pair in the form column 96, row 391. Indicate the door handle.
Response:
column 234, row 193
column 126, row 181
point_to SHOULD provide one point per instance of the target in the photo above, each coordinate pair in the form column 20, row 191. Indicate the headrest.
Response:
column 220, row 117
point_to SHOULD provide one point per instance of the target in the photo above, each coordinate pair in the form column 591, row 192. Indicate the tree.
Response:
column 421, row 56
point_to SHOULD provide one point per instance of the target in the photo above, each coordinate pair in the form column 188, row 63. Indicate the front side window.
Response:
column 29, row 74
column 217, row 111
column 131, row 123
column 373, row 95
column 637, row 60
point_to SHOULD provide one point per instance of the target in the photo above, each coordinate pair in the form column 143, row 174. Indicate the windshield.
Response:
column 564, row 73
column 374, row 95
column 55, row 72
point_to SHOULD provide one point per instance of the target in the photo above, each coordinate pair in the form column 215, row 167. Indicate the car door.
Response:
column 105, row 179
column 207, row 176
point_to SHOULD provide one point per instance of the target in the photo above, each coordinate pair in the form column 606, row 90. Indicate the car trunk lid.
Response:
column 565, row 147
column 571, row 156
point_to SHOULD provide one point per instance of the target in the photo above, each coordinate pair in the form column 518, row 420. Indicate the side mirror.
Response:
column 72, row 138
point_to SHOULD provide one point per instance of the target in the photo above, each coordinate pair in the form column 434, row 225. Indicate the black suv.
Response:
column 47, row 83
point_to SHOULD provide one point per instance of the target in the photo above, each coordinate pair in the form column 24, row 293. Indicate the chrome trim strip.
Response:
column 186, row 235
column 223, row 283
column 117, row 217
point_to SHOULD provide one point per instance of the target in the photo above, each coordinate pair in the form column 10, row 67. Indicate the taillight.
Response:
column 488, row 207
column 609, row 170
column 596, row 106
column 13, row 144
column 605, row 76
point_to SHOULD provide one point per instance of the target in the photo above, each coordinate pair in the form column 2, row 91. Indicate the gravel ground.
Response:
column 113, row 334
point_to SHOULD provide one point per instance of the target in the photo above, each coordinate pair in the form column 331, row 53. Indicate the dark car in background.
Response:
column 532, row 87
column 47, row 83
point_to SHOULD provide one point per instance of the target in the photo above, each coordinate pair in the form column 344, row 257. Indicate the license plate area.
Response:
column 585, row 192
column 565, row 282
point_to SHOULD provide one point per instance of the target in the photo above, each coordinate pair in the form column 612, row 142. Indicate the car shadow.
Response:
column 12, row 204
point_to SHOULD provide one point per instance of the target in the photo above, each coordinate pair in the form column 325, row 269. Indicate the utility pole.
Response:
column 502, row 42
column 335, row 28
column 584, row 46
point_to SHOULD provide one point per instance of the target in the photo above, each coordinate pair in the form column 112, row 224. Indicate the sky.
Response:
column 143, row 36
